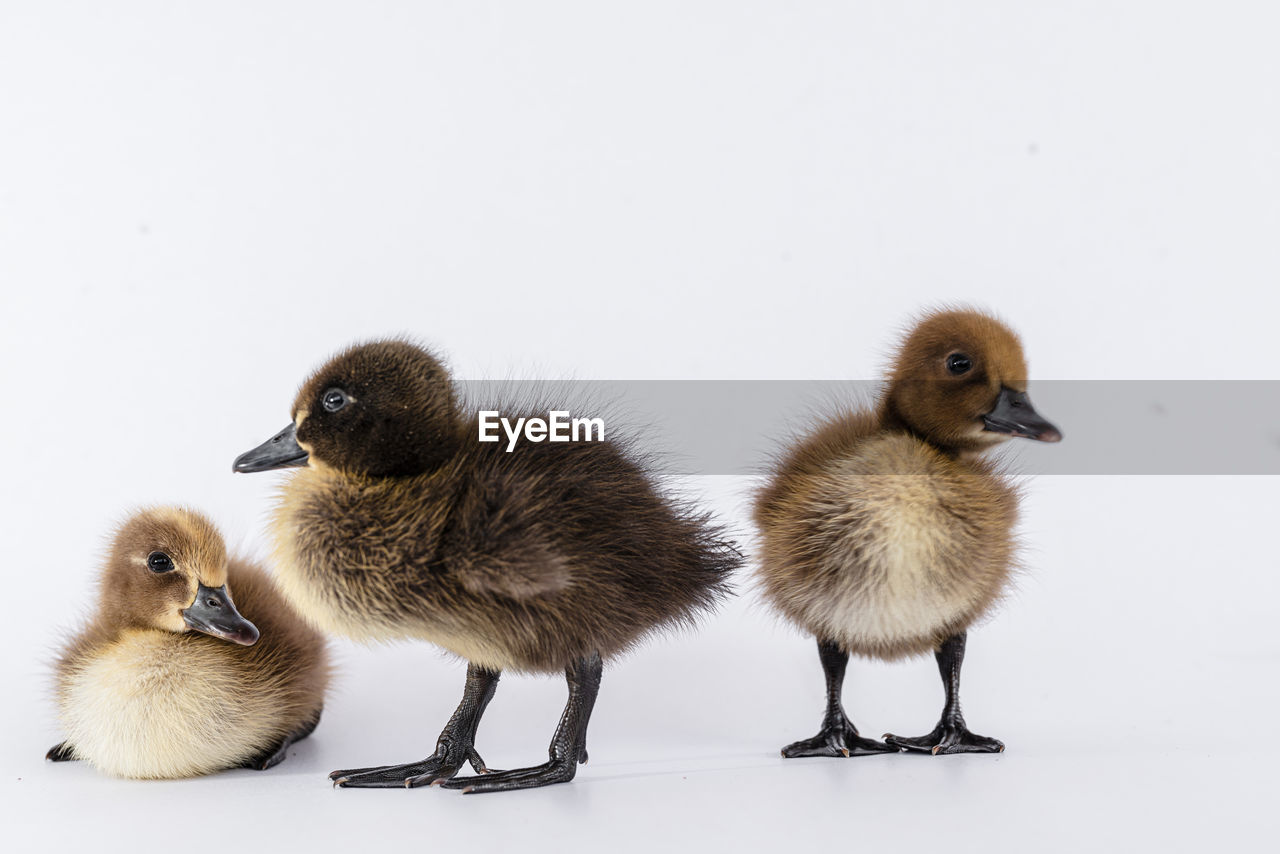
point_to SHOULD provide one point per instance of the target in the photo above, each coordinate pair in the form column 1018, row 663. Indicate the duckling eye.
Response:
column 959, row 363
column 333, row 400
column 159, row 562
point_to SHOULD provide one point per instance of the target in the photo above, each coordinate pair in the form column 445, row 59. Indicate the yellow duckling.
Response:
column 887, row 535
column 169, row 679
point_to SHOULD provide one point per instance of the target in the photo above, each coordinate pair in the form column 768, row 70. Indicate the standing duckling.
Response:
column 886, row 534
column 169, row 679
column 549, row 558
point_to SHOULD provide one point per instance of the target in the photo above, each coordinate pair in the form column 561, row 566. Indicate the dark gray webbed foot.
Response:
column 61, row 752
column 838, row 736
column 273, row 756
column 568, row 745
column 434, row 769
column 837, row 741
column 947, row 738
column 269, row 759
column 950, row 735
column 554, row 771
column 454, row 748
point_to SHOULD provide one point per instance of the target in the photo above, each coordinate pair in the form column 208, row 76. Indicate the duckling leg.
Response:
column 950, row 735
column 568, row 745
column 455, row 747
column 61, row 752
column 273, row 756
column 838, row 736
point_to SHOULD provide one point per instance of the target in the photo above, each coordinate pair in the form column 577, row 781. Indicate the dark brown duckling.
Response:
column 885, row 534
column 548, row 558
column 169, row 679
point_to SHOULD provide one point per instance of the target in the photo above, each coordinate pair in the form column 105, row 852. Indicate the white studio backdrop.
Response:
column 199, row 203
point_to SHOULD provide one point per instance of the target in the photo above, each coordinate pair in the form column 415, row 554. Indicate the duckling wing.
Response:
column 495, row 542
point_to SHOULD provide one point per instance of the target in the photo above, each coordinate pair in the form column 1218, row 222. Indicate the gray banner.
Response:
column 733, row 426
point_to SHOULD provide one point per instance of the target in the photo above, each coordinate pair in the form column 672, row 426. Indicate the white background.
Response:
column 197, row 205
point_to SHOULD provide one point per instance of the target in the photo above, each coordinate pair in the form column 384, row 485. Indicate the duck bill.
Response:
column 279, row 452
column 1015, row 416
column 215, row 614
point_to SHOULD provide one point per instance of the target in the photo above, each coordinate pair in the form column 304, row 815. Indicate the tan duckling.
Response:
column 545, row 559
column 885, row 534
column 172, row 679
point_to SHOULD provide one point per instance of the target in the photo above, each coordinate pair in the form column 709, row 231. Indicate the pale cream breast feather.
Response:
column 147, row 707
column 897, row 553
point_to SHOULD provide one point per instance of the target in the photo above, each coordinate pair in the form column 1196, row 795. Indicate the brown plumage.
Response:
column 883, row 532
column 547, row 558
column 170, row 678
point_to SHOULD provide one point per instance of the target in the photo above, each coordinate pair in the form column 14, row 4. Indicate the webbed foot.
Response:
column 947, row 738
column 837, row 741
column 442, row 766
column 273, row 756
column 554, row 771
column 568, row 745
column 61, row 752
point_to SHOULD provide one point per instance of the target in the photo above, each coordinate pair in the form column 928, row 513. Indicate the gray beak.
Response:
column 1015, row 416
column 215, row 614
column 280, row 451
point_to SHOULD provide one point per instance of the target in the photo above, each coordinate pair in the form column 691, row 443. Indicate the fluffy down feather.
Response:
column 155, row 704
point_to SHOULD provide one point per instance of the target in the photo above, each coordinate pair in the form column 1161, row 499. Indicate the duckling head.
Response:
column 384, row 408
column 959, row 381
column 167, row 569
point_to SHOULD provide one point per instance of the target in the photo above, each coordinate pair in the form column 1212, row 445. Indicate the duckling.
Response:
column 885, row 534
column 168, row 679
column 549, row 557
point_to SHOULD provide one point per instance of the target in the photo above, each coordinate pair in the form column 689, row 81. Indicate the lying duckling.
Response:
column 168, row 679
column 884, row 532
column 549, row 558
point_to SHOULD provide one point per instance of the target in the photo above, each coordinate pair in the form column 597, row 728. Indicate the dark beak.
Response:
column 215, row 614
column 1015, row 416
column 278, row 452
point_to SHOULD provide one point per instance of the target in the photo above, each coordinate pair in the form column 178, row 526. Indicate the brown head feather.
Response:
column 944, row 407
